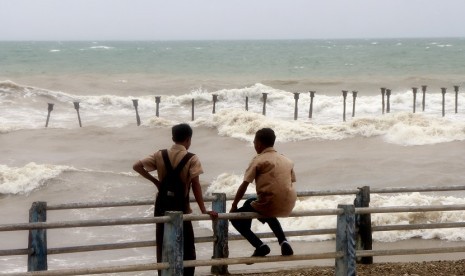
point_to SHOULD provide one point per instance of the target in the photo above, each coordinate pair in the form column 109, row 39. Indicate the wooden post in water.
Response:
column 192, row 109
column 215, row 99
column 173, row 245
column 157, row 103
column 136, row 104
column 388, row 102
column 247, row 103
column 354, row 96
column 383, row 91
column 220, row 233
column 264, row 103
column 296, row 110
column 76, row 106
column 344, row 95
column 423, row 90
column 364, row 238
column 50, row 108
column 443, row 91
column 414, row 90
column 37, row 245
column 456, row 89
column 310, row 111
column 345, row 241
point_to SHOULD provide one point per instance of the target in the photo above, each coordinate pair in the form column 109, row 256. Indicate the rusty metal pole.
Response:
column 264, row 103
column 354, row 96
column 383, row 92
column 443, row 91
column 136, row 104
column 296, row 98
column 456, row 89
column 423, row 90
column 157, row 102
column 50, row 109
column 414, row 90
column 192, row 109
column 344, row 95
column 76, row 106
column 215, row 98
column 310, row 112
column 388, row 103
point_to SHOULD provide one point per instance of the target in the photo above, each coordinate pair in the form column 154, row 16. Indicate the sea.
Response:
column 54, row 151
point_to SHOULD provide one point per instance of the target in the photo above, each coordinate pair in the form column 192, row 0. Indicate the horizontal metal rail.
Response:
column 151, row 220
column 231, row 197
column 392, row 252
column 404, row 209
column 418, row 226
column 156, row 266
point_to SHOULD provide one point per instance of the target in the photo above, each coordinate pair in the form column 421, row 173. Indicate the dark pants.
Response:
column 189, row 245
column 243, row 225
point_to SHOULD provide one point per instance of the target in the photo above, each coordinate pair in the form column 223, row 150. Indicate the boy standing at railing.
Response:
column 188, row 175
column 276, row 196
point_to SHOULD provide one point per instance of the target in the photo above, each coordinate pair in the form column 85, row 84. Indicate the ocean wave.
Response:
column 32, row 176
column 229, row 183
column 25, row 108
column 24, row 180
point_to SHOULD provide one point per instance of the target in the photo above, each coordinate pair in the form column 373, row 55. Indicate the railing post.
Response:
column 136, row 104
column 173, row 245
column 383, row 91
column 363, row 232
column 423, row 90
column 157, row 102
column 354, row 96
column 76, row 106
column 456, row 89
column 37, row 245
column 443, row 91
column 264, row 103
column 247, row 103
column 49, row 109
column 220, row 232
column 414, row 90
column 344, row 95
column 310, row 111
column 215, row 98
column 296, row 110
column 193, row 109
column 345, row 241
column 388, row 101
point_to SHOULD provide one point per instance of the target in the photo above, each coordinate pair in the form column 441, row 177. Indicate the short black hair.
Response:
column 181, row 132
column 266, row 136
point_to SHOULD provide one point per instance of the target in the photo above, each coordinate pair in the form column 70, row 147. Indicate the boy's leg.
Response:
column 189, row 246
column 244, row 225
column 275, row 226
column 159, row 241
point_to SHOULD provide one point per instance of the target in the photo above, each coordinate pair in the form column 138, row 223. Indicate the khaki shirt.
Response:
column 274, row 176
column 192, row 168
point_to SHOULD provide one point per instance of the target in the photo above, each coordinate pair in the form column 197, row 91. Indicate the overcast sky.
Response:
column 233, row 19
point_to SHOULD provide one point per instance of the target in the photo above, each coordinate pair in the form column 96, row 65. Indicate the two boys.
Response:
column 273, row 174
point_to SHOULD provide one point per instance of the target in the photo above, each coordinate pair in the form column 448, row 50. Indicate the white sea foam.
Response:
column 25, row 179
column 25, row 108
column 229, row 183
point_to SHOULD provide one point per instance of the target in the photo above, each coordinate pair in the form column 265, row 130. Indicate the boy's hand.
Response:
column 213, row 214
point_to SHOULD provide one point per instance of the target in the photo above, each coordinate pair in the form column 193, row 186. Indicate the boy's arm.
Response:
column 197, row 190
column 239, row 194
column 139, row 167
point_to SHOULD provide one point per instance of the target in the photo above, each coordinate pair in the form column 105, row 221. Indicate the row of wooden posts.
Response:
column 385, row 103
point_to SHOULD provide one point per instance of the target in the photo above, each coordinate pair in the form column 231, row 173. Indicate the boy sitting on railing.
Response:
column 274, row 176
